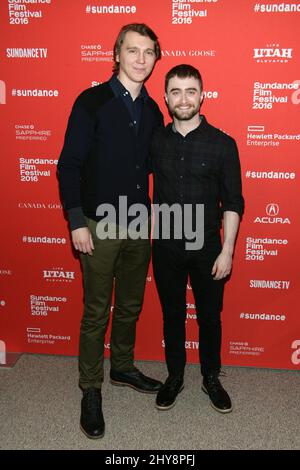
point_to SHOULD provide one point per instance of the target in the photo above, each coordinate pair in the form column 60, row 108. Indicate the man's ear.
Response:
column 201, row 97
column 166, row 98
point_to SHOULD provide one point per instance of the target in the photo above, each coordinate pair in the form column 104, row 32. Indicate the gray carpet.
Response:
column 40, row 407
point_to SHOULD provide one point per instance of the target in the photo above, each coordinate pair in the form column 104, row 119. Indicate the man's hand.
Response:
column 222, row 265
column 82, row 240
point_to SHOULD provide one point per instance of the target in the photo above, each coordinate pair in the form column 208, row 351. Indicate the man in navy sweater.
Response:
column 105, row 157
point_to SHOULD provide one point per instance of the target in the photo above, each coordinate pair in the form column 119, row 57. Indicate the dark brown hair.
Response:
column 143, row 30
column 183, row 71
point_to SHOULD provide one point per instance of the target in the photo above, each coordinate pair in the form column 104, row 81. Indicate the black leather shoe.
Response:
column 167, row 395
column 219, row 398
column 91, row 419
column 135, row 379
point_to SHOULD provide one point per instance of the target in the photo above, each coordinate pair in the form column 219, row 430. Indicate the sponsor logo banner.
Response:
column 37, row 336
column 27, row 132
column 267, row 95
column 258, row 136
column 22, row 12
column 262, row 316
column 26, row 52
column 281, row 7
column 58, row 275
column 257, row 249
column 32, row 169
column 269, row 284
column 271, row 175
column 43, row 240
column 95, row 53
column 240, row 348
column 34, row 93
column 110, row 9
column 272, row 217
column 272, row 53
column 42, row 305
column 186, row 11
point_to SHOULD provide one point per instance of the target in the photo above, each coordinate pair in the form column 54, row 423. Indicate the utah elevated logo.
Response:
column 58, row 275
column 272, row 53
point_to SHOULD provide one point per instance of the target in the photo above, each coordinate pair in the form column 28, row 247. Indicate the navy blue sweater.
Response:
column 103, row 156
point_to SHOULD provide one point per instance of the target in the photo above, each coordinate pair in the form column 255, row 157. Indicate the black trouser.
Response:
column 172, row 265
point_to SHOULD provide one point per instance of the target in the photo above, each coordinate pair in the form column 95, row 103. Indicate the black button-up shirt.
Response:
column 201, row 168
column 135, row 107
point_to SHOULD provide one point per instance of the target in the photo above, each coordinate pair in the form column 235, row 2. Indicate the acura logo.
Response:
column 272, row 209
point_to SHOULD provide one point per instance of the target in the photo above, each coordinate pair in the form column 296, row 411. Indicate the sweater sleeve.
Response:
column 77, row 144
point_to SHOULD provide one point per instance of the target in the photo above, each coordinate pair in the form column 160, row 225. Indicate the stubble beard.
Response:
column 184, row 115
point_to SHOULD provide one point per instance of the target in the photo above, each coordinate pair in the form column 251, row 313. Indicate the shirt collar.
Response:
column 200, row 128
column 119, row 89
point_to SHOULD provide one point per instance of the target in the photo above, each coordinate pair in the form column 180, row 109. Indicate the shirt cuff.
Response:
column 76, row 218
column 234, row 208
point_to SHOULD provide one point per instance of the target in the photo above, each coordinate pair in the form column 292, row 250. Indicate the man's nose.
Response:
column 141, row 57
column 183, row 98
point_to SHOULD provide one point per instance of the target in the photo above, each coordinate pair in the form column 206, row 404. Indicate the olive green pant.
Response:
column 122, row 264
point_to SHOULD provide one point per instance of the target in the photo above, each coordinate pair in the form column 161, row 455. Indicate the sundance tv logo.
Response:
column 273, row 53
column 272, row 211
column 26, row 52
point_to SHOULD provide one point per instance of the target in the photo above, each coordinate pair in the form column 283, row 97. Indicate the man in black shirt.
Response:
column 194, row 164
column 104, row 158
